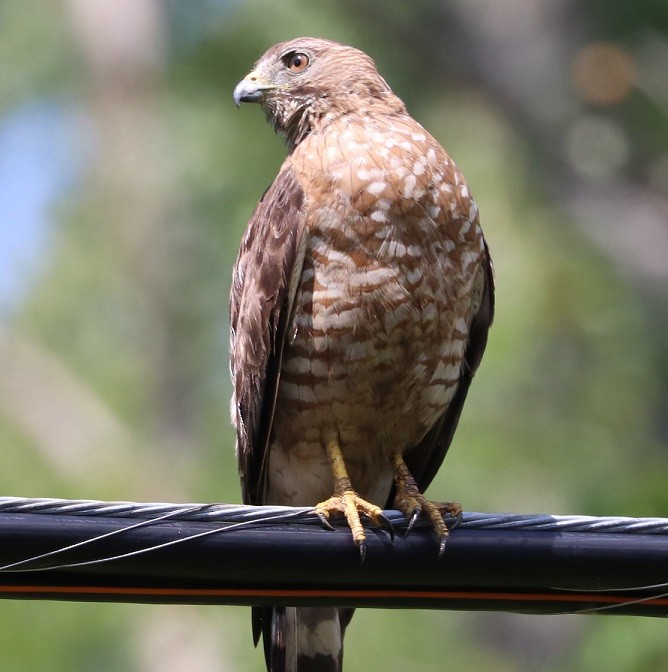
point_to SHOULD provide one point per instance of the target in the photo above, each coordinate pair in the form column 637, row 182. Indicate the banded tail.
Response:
column 302, row 639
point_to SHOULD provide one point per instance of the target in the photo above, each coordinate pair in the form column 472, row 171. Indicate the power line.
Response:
column 229, row 554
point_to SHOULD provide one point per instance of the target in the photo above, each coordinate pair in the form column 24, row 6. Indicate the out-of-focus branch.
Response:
column 71, row 426
column 124, row 45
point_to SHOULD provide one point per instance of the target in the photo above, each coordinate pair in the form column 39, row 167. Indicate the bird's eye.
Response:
column 297, row 62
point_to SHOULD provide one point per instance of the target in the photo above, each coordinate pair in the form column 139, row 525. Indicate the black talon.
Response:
column 386, row 524
column 416, row 514
column 324, row 521
column 362, row 550
column 456, row 520
column 441, row 548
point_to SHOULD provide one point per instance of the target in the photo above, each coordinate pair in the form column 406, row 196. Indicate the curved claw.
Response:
column 456, row 520
column 362, row 549
column 417, row 512
column 324, row 520
column 386, row 524
column 441, row 547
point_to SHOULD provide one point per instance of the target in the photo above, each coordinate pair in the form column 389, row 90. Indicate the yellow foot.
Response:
column 346, row 501
column 412, row 503
column 351, row 505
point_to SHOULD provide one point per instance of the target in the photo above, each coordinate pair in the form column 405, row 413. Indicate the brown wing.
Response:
column 263, row 287
column 424, row 460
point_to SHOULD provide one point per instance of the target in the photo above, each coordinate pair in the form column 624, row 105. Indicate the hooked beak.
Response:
column 251, row 88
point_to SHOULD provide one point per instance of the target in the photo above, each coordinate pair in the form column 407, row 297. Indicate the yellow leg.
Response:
column 412, row 503
column 346, row 501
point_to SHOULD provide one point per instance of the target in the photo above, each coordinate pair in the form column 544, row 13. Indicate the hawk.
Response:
column 360, row 304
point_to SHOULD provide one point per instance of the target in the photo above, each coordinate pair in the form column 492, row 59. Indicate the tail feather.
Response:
column 302, row 639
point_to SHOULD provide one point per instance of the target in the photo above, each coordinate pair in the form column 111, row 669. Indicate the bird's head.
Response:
column 307, row 81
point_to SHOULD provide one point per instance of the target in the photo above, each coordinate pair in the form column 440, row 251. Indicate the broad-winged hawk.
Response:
column 361, row 300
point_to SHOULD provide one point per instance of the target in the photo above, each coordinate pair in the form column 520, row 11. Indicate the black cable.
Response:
column 228, row 554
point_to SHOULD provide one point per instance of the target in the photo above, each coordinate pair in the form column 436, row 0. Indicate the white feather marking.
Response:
column 297, row 365
column 409, row 186
column 419, row 167
column 433, row 210
column 429, row 312
column 375, row 276
column 376, row 188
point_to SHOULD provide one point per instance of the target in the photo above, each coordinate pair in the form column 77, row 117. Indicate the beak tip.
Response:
column 237, row 96
column 249, row 91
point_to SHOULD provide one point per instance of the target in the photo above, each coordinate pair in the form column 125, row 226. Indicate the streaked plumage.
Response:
column 360, row 305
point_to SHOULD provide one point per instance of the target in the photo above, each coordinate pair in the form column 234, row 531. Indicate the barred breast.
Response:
column 383, row 305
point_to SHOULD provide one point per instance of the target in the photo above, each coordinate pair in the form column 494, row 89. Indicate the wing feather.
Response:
column 265, row 279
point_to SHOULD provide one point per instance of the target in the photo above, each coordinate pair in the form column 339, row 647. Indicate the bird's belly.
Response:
column 370, row 365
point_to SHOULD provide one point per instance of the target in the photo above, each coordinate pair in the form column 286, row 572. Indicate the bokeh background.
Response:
column 126, row 178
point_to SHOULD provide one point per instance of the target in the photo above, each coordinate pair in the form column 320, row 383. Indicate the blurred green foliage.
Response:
column 123, row 319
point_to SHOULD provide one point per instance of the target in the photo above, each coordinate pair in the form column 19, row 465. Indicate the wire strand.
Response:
column 263, row 515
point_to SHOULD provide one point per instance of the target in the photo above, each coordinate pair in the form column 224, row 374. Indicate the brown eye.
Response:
column 297, row 62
